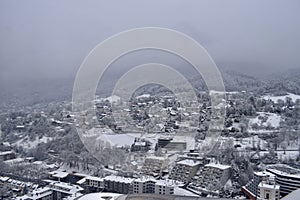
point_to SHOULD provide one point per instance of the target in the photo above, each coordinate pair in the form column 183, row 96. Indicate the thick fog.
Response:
column 49, row 39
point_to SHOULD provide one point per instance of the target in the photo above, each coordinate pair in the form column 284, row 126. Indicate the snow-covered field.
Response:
column 127, row 139
column 272, row 120
column 27, row 144
column 119, row 140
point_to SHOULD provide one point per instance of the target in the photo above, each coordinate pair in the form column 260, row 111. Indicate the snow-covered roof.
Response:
column 59, row 174
column 13, row 161
column 37, row 194
column 94, row 178
column 144, row 179
column 264, row 173
column 81, row 181
column 169, row 183
column 140, row 143
column 51, row 166
column 79, row 174
column 188, row 162
column 3, row 153
column 268, row 186
column 219, row 166
column 166, row 182
column 118, row 179
column 4, row 179
column 6, row 144
column 275, row 171
column 143, row 96
column 65, row 187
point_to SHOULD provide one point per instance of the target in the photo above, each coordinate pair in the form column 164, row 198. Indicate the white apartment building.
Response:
column 148, row 185
column 268, row 190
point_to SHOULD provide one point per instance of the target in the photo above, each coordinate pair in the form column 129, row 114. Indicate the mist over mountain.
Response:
column 60, row 89
column 42, row 49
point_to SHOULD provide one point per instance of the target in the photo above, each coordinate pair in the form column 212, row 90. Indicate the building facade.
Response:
column 251, row 188
column 211, row 178
column 288, row 182
column 152, row 186
column 154, row 165
column 118, row 184
column 184, row 170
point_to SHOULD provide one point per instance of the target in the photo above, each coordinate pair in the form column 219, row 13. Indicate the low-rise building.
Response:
column 61, row 190
column 7, row 155
column 38, row 194
column 118, row 184
column 58, row 175
column 94, row 183
column 54, row 191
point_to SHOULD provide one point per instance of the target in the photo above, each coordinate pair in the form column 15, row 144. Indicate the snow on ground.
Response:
column 98, row 131
column 294, row 97
column 184, row 192
column 27, row 144
column 119, row 140
column 272, row 119
column 127, row 139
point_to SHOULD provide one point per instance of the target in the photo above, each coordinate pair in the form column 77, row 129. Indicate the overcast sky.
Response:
column 50, row 38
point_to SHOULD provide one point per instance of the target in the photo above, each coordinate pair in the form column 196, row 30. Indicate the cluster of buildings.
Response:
column 126, row 185
column 15, row 186
column 275, row 182
column 54, row 191
column 180, row 180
